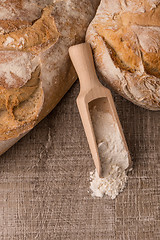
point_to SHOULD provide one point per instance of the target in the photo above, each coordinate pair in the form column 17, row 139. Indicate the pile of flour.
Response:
column 113, row 156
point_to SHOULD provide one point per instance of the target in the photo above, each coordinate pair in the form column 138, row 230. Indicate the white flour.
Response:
column 8, row 41
column 113, row 155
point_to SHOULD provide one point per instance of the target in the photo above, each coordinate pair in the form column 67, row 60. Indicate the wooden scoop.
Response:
column 93, row 93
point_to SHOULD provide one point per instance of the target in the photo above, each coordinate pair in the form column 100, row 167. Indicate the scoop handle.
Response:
column 82, row 58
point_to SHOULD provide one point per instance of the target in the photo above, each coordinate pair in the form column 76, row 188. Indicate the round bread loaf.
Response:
column 125, row 37
column 35, row 69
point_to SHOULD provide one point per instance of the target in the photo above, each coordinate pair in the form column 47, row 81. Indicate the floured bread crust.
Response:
column 125, row 37
column 21, row 94
column 35, row 69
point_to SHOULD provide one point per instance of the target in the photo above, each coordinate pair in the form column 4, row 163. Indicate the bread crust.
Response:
column 125, row 37
column 35, row 68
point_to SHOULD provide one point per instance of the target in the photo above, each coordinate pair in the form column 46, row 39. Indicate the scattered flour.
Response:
column 113, row 155
column 111, row 185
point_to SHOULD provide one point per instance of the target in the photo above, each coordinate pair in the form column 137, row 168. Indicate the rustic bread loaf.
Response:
column 125, row 37
column 35, row 69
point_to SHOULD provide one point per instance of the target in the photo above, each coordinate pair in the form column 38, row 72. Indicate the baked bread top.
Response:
column 35, row 70
column 125, row 37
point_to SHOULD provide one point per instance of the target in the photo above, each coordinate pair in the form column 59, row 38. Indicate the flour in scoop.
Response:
column 113, row 156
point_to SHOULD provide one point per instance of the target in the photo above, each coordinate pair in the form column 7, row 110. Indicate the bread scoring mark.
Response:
column 151, row 62
column 118, row 42
column 35, row 38
column 116, row 59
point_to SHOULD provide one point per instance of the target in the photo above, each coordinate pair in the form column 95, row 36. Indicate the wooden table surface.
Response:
column 44, row 180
